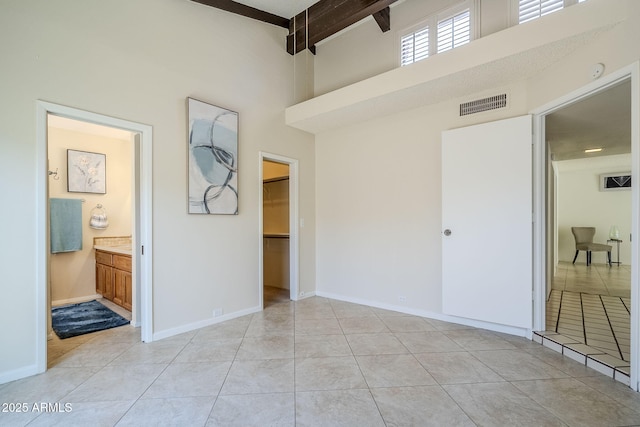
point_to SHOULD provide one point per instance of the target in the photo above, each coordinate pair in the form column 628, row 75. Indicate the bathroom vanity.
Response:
column 114, row 280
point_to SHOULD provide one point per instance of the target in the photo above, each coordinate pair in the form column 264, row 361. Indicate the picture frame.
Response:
column 212, row 159
column 615, row 181
column 86, row 172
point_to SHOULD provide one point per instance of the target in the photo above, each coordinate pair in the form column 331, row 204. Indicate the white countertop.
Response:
column 116, row 249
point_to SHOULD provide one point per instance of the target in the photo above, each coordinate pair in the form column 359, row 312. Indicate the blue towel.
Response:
column 65, row 225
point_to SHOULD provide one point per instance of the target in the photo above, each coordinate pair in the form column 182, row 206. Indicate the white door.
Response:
column 487, row 222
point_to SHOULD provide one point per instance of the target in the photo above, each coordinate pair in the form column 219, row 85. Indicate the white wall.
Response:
column 72, row 274
column 140, row 60
column 582, row 204
column 379, row 207
column 378, row 183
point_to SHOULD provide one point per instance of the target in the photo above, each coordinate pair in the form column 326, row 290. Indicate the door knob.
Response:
column 447, row 232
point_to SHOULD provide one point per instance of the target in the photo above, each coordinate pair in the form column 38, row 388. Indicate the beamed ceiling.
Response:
column 313, row 24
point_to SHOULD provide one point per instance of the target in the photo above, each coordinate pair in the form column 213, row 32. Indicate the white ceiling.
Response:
column 602, row 121
column 284, row 8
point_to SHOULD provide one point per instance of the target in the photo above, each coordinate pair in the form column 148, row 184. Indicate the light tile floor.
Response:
column 319, row 362
column 588, row 312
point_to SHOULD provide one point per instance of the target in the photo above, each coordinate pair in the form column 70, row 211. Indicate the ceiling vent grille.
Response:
column 485, row 104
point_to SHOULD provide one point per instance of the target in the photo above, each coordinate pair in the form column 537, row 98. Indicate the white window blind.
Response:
column 532, row 9
column 454, row 32
column 443, row 31
column 414, row 46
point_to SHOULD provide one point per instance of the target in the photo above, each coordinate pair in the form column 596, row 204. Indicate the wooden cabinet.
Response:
column 113, row 277
column 104, row 281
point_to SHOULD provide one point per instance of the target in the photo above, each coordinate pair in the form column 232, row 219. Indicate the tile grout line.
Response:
column 559, row 310
column 375, row 402
column 613, row 333
column 226, row 377
column 625, row 306
column 584, row 326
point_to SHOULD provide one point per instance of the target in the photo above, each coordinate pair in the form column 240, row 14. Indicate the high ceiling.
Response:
column 602, row 121
column 309, row 22
column 284, row 8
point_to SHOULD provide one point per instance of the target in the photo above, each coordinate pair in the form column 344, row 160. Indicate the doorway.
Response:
column 589, row 140
column 278, row 229
column 275, row 237
column 563, row 174
column 141, row 203
column 91, row 164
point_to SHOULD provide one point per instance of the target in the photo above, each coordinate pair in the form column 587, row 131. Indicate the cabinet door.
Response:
column 118, row 287
column 104, row 281
column 108, row 285
column 123, row 285
column 100, row 279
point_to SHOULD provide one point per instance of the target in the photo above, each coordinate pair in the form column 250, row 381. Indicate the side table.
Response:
column 617, row 242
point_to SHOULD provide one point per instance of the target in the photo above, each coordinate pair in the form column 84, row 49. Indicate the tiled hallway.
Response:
column 320, row 362
column 588, row 312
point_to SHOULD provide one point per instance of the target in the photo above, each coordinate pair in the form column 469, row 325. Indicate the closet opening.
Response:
column 278, row 225
column 275, row 236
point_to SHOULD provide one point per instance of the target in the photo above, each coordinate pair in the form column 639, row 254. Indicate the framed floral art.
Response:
column 86, row 172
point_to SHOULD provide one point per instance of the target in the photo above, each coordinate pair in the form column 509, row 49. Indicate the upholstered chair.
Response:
column 584, row 242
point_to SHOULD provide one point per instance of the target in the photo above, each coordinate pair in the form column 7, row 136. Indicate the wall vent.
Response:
column 484, row 104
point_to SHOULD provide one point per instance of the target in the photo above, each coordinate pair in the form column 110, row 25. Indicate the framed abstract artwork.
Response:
column 86, row 172
column 213, row 159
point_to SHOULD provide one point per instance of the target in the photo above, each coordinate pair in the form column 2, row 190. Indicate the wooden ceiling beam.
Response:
column 383, row 18
column 327, row 17
column 248, row 11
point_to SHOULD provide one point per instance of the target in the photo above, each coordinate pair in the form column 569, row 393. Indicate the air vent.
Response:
column 485, row 104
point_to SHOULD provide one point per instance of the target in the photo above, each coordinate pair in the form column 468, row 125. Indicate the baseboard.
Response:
column 203, row 323
column 305, row 295
column 75, row 300
column 511, row 330
column 20, row 373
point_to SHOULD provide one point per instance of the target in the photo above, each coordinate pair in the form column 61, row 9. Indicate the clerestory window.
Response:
column 438, row 33
column 529, row 10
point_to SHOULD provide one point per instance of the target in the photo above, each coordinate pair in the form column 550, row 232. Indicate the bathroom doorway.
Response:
column 278, row 230
column 138, row 216
column 91, row 170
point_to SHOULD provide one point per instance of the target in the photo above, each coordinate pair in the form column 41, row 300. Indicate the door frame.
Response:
column 294, row 268
column 142, row 218
column 631, row 72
